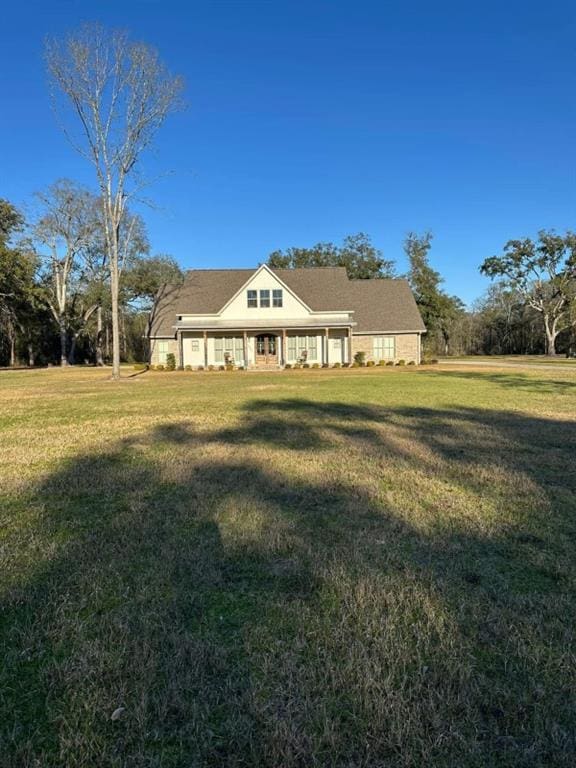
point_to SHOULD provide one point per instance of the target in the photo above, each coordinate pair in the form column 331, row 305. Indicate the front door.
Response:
column 266, row 350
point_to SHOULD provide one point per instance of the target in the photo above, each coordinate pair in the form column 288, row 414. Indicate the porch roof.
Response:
column 209, row 324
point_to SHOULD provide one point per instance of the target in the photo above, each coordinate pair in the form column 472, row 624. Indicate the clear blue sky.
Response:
column 311, row 120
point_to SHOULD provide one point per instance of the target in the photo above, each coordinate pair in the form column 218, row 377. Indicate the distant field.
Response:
column 355, row 568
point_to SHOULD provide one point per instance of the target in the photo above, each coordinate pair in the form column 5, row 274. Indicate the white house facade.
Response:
column 267, row 318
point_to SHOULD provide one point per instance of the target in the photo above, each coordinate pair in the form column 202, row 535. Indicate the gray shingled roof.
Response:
column 378, row 305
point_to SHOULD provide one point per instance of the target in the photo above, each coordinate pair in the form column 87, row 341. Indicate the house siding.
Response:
column 407, row 345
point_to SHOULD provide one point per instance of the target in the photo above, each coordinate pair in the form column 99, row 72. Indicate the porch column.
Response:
column 245, row 349
column 205, row 349
column 349, row 345
column 284, row 352
column 180, row 351
column 327, row 347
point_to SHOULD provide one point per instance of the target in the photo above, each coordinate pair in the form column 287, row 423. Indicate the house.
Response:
column 267, row 318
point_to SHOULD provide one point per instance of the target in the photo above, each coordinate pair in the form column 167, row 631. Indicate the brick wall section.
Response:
column 172, row 347
column 406, row 346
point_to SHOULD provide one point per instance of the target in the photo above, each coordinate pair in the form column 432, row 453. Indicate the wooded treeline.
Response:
column 55, row 282
column 55, row 293
column 529, row 309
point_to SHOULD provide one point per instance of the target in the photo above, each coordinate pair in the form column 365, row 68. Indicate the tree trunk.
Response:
column 72, row 353
column 63, row 342
column 12, row 349
column 99, row 337
column 31, row 358
column 115, row 317
column 551, row 334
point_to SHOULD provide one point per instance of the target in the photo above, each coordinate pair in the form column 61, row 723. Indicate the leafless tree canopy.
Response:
column 121, row 94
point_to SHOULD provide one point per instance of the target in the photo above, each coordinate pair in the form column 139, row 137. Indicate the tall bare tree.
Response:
column 121, row 93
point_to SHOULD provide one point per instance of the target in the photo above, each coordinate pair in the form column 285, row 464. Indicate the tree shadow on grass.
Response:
column 245, row 613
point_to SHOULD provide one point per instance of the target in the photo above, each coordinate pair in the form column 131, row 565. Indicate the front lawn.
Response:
column 349, row 568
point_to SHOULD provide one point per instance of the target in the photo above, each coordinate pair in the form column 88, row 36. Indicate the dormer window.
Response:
column 265, row 298
column 252, row 298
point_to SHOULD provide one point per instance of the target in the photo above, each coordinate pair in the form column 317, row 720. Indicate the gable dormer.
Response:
column 264, row 296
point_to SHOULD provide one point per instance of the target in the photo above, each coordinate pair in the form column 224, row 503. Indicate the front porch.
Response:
column 265, row 348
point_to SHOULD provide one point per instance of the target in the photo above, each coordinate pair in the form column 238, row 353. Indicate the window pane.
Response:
column 265, row 298
column 312, row 349
column 238, row 349
column 277, row 298
column 252, row 297
column 292, row 347
column 195, row 345
column 219, row 350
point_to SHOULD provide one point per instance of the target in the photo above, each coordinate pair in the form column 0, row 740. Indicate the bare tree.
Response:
column 67, row 227
column 121, row 94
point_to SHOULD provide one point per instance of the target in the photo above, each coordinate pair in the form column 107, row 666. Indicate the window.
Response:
column 218, row 350
column 229, row 349
column 195, row 345
column 162, row 352
column 384, row 347
column 302, row 348
column 312, row 348
column 277, row 298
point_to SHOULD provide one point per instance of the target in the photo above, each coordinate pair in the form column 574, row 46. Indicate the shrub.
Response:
column 140, row 366
column 325, row 365
column 211, row 368
column 228, row 367
column 187, row 367
column 336, row 365
column 240, row 368
column 434, row 361
column 411, row 362
column 287, row 366
column 401, row 362
column 305, row 365
column 382, row 362
column 221, row 367
column 315, row 365
column 199, row 367
column 370, row 363
column 360, row 358
column 389, row 362
column 158, row 367
column 355, row 364
column 170, row 361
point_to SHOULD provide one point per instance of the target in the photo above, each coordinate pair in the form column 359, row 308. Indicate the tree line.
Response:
column 55, row 298
column 530, row 308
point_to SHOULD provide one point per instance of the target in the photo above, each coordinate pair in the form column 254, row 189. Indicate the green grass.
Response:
column 369, row 567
